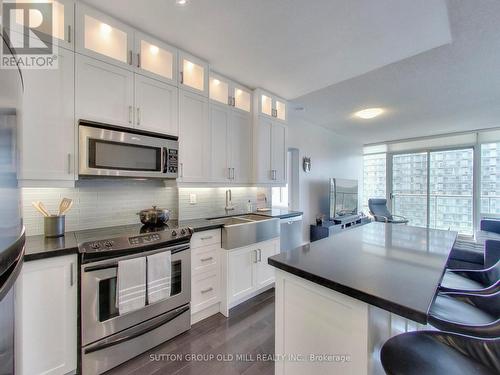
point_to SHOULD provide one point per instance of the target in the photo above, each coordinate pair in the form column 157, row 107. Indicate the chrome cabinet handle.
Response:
column 234, row 101
column 207, row 290
column 229, row 100
column 69, row 34
column 206, row 238
column 260, row 255
column 71, row 275
column 256, row 256
column 138, row 116
column 182, row 170
column 206, row 259
column 130, row 109
column 69, row 163
column 130, row 57
column 229, row 173
column 182, row 77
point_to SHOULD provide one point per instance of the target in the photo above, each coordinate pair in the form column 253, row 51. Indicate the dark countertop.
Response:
column 395, row 267
column 40, row 247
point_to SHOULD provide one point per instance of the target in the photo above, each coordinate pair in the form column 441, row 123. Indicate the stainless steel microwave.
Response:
column 111, row 151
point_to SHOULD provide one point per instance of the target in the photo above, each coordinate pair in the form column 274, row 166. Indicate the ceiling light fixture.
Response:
column 181, row 2
column 369, row 113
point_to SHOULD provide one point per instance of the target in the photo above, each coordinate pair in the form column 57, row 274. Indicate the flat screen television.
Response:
column 343, row 198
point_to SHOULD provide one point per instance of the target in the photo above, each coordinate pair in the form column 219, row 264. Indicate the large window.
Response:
column 490, row 179
column 374, row 180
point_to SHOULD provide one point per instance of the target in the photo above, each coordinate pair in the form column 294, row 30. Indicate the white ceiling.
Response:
column 451, row 88
column 291, row 47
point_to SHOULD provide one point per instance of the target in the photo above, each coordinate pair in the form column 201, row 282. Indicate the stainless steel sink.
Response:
column 246, row 230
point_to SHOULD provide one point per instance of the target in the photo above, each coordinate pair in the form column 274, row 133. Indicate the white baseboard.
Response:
column 205, row 313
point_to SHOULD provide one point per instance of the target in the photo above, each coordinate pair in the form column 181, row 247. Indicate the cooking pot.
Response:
column 154, row 216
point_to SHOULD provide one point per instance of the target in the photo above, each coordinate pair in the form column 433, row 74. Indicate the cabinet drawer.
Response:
column 208, row 237
column 205, row 290
column 204, row 258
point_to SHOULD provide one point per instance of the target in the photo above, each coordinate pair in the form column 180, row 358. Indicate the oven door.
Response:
column 113, row 153
column 100, row 317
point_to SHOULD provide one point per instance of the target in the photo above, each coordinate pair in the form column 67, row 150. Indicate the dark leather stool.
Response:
column 438, row 353
column 468, row 314
column 486, row 281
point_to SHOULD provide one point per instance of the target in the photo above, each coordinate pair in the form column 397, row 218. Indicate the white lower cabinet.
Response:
column 205, row 274
column 47, row 133
column 246, row 273
column 46, row 332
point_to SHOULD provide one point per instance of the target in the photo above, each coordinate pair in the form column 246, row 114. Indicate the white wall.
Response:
column 331, row 155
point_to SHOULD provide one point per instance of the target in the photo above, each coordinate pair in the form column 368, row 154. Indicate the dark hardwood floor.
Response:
column 249, row 332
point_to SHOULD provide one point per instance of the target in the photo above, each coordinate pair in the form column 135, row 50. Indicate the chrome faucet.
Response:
column 229, row 203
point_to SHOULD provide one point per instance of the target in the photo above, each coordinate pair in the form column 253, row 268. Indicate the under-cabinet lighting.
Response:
column 189, row 65
column 238, row 92
column 216, row 82
column 154, row 50
column 181, row 2
column 105, row 29
column 369, row 113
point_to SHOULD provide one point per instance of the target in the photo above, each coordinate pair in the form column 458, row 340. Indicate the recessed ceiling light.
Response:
column 369, row 113
column 181, row 2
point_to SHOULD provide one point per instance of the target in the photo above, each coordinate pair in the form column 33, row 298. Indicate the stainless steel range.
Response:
column 108, row 337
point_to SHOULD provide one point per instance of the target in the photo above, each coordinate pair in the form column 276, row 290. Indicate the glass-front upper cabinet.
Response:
column 271, row 105
column 155, row 59
column 103, row 37
column 242, row 98
column 61, row 30
column 225, row 91
column 193, row 73
column 219, row 89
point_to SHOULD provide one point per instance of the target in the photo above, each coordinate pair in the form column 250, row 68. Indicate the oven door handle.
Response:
column 148, row 327
column 164, row 164
column 113, row 263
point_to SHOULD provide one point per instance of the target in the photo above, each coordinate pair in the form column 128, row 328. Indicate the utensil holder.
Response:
column 54, row 226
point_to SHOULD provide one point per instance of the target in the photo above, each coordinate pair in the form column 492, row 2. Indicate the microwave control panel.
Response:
column 172, row 162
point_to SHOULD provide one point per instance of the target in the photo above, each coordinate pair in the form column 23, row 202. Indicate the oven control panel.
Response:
column 135, row 242
column 144, row 239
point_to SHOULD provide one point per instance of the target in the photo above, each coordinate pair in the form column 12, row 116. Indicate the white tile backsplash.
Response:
column 211, row 201
column 99, row 203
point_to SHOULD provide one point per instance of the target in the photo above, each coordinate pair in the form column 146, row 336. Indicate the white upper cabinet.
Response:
column 225, row 91
column 156, row 106
column 155, row 59
column 47, row 129
column 60, row 32
column 103, row 37
column 104, row 92
column 270, row 149
column 240, row 147
column 270, row 105
column 194, row 137
column 220, row 118
column 193, row 73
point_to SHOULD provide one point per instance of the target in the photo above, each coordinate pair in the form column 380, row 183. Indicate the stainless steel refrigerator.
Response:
column 11, row 225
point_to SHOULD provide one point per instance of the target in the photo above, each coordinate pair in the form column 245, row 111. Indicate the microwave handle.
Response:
column 164, row 165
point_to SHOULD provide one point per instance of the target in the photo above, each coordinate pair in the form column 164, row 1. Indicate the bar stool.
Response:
column 469, row 314
column 486, row 281
column 437, row 353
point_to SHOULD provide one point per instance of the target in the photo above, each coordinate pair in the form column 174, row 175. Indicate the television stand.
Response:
column 330, row 227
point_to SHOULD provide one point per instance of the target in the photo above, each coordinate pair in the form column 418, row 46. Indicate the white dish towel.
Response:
column 131, row 284
column 159, row 276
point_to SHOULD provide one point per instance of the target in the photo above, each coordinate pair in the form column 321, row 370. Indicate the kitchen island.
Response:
column 339, row 299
